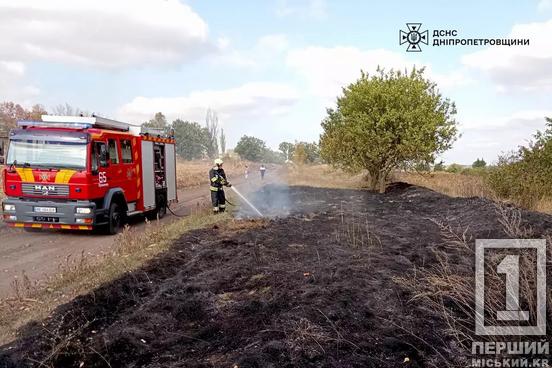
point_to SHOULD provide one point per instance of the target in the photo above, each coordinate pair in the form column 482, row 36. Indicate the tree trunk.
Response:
column 378, row 179
column 374, row 179
column 382, row 184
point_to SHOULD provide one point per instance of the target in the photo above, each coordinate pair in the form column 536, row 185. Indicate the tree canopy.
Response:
column 287, row 149
column 251, row 148
column 68, row 110
column 525, row 175
column 11, row 112
column 212, row 126
column 191, row 139
column 479, row 163
column 159, row 121
column 386, row 121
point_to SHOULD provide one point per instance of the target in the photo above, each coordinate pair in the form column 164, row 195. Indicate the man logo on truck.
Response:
column 45, row 189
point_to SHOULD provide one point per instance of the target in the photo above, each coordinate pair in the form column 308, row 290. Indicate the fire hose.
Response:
column 227, row 201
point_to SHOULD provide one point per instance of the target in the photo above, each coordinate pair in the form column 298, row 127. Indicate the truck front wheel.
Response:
column 115, row 218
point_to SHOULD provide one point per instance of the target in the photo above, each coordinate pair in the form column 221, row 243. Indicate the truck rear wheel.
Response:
column 161, row 206
column 115, row 218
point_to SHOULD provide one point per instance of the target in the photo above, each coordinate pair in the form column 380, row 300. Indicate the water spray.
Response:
column 246, row 201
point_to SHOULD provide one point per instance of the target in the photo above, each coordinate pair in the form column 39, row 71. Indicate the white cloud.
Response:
column 13, row 85
column 266, row 50
column 315, row 9
column 273, row 43
column 101, row 33
column 545, row 5
column 490, row 136
column 251, row 100
column 327, row 70
column 518, row 67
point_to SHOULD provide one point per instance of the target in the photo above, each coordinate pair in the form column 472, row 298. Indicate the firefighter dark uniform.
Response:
column 218, row 182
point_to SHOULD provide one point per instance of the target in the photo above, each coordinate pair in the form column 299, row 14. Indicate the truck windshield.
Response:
column 47, row 154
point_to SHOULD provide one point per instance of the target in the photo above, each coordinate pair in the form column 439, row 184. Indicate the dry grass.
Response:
column 356, row 232
column 449, row 287
column 462, row 185
column 454, row 185
column 543, row 205
column 31, row 301
column 191, row 174
column 322, row 176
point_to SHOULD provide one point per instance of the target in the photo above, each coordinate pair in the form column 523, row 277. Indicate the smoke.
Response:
column 270, row 196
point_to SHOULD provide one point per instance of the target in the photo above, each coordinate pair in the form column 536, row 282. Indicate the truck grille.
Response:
column 49, row 190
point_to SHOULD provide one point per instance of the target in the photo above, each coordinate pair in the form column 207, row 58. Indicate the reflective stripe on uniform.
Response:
column 213, row 179
column 222, row 206
column 214, row 189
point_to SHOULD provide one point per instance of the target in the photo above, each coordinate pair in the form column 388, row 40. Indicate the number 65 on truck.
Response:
column 83, row 173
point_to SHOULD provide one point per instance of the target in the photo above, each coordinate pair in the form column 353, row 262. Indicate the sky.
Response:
column 271, row 68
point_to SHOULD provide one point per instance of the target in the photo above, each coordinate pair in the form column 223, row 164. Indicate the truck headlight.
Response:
column 9, row 207
column 84, row 210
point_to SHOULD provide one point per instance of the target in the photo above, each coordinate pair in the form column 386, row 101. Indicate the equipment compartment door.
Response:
column 170, row 167
column 148, row 181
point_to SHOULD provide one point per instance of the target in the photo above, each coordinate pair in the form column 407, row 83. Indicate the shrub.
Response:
column 387, row 121
column 524, row 176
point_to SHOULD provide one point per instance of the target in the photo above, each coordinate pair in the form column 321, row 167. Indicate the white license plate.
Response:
column 45, row 209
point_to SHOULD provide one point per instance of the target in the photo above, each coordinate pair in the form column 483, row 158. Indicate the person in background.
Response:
column 246, row 173
column 263, row 171
column 217, row 176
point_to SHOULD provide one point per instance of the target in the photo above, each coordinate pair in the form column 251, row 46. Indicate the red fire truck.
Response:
column 82, row 173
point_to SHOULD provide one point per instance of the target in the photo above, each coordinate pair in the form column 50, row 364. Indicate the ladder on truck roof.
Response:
column 85, row 122
column 156, row 132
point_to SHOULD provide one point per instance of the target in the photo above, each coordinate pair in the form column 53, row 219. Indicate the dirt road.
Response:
column 40, row 253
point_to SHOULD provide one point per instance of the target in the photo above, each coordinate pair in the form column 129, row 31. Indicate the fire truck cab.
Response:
column 81, row 173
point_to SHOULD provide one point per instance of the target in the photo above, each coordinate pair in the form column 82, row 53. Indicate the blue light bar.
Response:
column 44, row 124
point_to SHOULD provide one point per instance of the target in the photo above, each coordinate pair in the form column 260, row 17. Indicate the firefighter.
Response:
column 218, row 182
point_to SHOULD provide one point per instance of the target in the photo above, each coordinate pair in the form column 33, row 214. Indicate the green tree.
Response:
column 191, row 139
column 455, row 168
column 479, row 163
column 222, row 142
column 159, row 121
column 273, row 157
column 439, row 166
column 251, row 148
column 525, row 175
column 311, row 151
column 422, row 166
column 385, row 121
column 300, row 154
column 287, row 149
column 211, row 123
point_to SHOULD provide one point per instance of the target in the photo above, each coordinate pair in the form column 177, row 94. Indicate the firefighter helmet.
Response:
column 218, row 161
